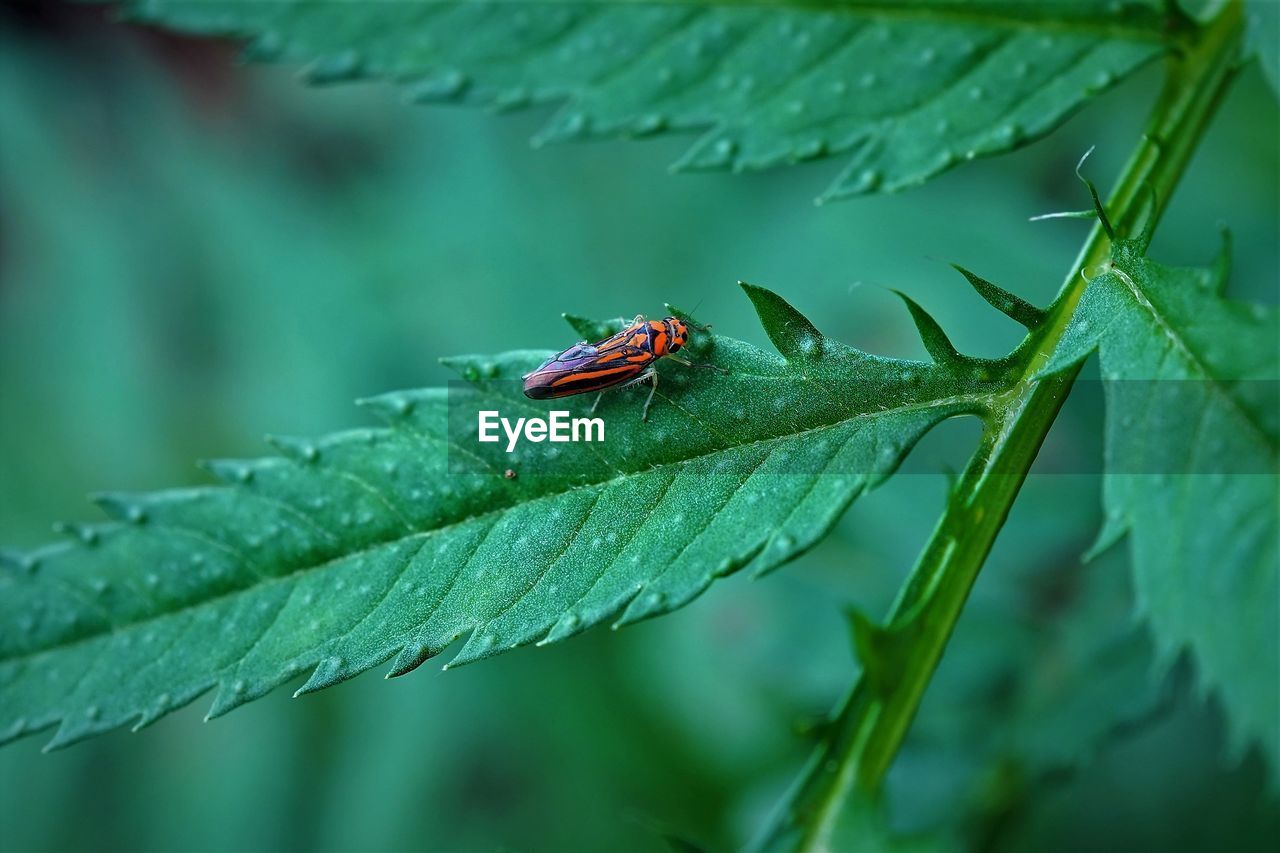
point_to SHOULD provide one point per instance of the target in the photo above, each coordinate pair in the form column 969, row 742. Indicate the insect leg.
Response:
column 596, row 403
column 678, row 360
column 653, row 381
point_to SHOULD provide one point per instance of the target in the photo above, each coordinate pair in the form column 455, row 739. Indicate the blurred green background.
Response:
column 194, row 253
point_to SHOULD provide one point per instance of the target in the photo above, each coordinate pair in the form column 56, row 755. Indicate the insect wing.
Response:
column 585, row 368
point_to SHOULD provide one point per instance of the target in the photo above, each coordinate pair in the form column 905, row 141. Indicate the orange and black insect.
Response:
column 615, row 362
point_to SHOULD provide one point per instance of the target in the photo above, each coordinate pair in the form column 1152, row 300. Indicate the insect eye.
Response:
column 676, row 334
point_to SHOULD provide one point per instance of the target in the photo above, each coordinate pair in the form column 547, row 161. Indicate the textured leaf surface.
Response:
column 1047, row 668
column 394, row 542
column 1192, row 433
column 902, row 90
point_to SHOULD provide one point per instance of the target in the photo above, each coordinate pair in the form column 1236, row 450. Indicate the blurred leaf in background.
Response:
column 194, row 254
column 901, row 92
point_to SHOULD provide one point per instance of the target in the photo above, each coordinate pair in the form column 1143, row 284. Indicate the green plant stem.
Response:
column 865, row 737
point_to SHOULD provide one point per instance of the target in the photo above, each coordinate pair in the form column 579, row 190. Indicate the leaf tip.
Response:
column 84, row 534
column 391, row 407
column 233, row 472
column 590, row 330
column 566, row 626
column 232, row 695
column 789, row 330
column 120, row 506
column 1013, row 307
column 300, row 450
column 17, row 729
column 477, row 647
column 74, row 728
column 1114, row 528
column 267, row 46
column 340, row 67
column 857, row 179
column 935, row 340
column 13, row 559
column 710, row 153
column 438, row 88
column 328, row 672
column 410, row 658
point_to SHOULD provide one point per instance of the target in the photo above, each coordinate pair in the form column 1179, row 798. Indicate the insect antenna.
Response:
column 687, row 316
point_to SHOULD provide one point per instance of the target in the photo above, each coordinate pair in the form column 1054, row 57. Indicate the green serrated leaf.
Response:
column 1047, row 669
column 1193, row 427
column 904, row 90
column 594, row 330
column 374, row 544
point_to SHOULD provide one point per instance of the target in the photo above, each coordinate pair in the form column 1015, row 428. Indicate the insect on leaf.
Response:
column 391, row 543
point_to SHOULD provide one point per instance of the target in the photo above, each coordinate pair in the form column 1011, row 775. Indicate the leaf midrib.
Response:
column 973, row 399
